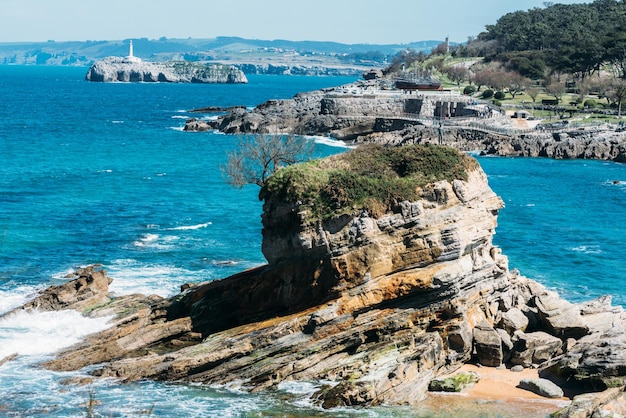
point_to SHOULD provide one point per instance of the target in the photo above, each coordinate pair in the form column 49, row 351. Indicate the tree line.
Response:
column 574, row 39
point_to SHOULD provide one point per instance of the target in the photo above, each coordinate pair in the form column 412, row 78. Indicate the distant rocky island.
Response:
column 133, row 69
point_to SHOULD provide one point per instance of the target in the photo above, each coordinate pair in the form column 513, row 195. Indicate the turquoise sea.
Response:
column 103, row 173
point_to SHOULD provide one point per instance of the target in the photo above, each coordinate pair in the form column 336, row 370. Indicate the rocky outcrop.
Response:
column 118, row 69
column 376, row 307
column 598, row 144
column 309, row 70
column 362, row 113
column 346, row 113
column 88, row 288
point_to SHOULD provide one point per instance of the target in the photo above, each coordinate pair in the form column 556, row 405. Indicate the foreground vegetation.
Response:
column 374, row 178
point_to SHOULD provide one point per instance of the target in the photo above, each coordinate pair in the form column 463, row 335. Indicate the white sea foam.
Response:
column 190, row 227
column 146, row 240
column 15, row 297
column 324, row 140
column 156, row 242
column 587, row 249
column 180, row 117
column 297, row 387
column 132, row 276
column 177, row 128
column 36, row 333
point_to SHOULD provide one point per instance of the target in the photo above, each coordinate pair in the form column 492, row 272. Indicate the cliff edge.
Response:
column 375, row 294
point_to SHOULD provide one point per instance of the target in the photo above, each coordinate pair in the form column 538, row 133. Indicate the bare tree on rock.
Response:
column 259, row 156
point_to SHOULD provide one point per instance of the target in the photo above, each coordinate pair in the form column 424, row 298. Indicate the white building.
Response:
column 131, row 57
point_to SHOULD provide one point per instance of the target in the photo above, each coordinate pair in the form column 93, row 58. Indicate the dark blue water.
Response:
column 103, row 173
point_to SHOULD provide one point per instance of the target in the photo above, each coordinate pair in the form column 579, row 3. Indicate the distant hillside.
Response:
column 224, row 49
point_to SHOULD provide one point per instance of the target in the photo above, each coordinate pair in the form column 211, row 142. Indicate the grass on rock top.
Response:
column 372, row 177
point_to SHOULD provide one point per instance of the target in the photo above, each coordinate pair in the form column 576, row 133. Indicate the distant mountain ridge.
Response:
column 84, row 53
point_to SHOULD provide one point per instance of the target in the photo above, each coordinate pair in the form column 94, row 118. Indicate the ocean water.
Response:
column 103, row 173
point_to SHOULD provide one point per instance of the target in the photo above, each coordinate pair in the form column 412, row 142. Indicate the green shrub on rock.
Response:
column 591, row 103
column 469, row 90
column 375, row 178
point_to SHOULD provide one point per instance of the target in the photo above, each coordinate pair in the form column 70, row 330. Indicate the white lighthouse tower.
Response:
column 131, row 57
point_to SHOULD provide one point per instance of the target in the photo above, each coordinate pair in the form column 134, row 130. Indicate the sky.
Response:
column 345, row 21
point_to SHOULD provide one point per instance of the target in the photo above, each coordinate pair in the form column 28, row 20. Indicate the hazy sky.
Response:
column 347, row 21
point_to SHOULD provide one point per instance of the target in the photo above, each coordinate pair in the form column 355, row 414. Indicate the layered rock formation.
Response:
column 377, row 307
column 118, row 69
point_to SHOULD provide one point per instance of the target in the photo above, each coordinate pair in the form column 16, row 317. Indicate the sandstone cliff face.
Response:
column 110, row 70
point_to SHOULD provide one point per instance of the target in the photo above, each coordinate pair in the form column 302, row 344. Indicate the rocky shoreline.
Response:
column 368, row 112
column 377, row 308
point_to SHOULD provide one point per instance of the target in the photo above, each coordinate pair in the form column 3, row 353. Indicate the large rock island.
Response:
column 127, row 70
column 381, row 276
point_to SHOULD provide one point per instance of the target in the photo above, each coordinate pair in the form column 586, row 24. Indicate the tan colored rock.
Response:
column 561, row 317
column 488, row 345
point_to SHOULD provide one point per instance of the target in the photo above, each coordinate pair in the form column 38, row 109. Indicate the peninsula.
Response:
column 369, row 111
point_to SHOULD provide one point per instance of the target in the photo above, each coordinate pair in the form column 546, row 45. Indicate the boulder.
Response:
column 597, row 360
column 543, row 387
column 560, row 317
column 610, row 403
column 514, row 320
column 488, row 345
column 534, row 348
column 455, row 383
